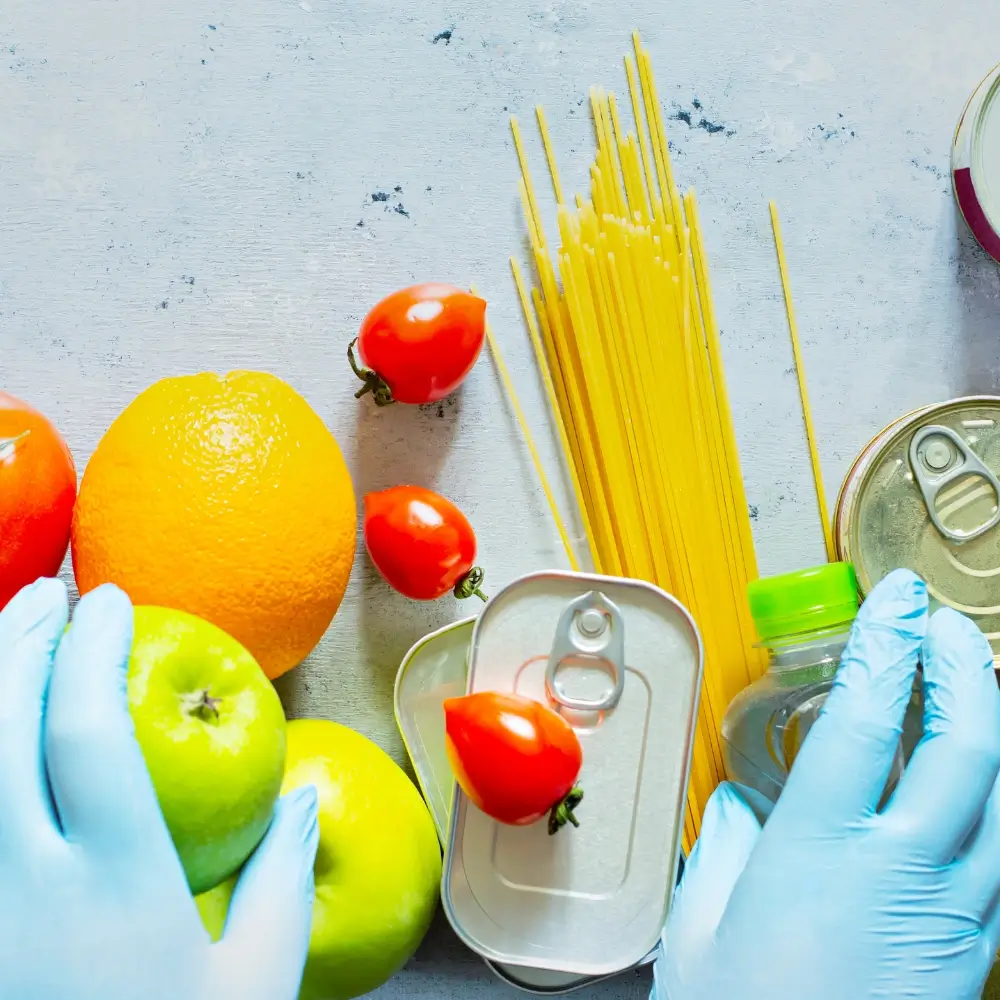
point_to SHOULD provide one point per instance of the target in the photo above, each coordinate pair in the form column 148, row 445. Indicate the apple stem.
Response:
column 204, row 706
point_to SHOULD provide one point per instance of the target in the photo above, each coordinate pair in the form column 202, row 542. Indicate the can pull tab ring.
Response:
column 590, row 628
column 936, row 465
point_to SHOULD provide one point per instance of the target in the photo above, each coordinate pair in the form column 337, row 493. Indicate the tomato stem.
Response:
column 564, row 812
column 373, row 382
column 469, row 585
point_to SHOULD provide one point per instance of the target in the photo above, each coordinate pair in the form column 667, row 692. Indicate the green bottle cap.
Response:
column 805, row 601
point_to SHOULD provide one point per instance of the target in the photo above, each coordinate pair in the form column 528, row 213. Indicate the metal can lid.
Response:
column 590, row 900
column 976, row 163
column 435, row 668
column 807, row 600
column 926, row 497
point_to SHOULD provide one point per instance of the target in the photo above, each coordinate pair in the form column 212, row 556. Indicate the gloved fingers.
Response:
column 729, row 833
column 953, row 770
column 977, row 868
column 842, row 768
column 102, row 790
column 264, row 946
column 990, row 936
column 30, row 628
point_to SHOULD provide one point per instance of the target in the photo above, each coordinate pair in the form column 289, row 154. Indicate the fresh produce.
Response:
column 378, row 867
column 514, row 758
column 213, row 906
column 417, row 345
column 227, row 497
column 37, row 491
column 422, row 544
column 212, row 732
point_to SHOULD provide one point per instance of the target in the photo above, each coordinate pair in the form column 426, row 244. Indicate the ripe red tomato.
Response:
column 514, row 758
column 418, row 345
column 37, row 493
column 421, row 543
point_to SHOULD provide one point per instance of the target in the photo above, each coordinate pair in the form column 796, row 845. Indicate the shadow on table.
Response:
column 391, row 446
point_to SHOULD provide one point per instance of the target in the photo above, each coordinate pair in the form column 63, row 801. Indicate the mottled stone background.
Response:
column 194, row 184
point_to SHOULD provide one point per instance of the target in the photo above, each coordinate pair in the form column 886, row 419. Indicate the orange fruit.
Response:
column 228, row 498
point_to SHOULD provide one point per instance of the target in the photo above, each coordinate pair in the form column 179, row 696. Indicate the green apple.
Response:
column 213, row 906
column 378, row 867
column 212, row 732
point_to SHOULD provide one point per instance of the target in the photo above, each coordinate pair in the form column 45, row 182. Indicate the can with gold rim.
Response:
column 925, row 496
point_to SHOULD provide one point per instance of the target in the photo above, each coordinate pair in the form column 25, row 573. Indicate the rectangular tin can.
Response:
column 975, row 164
column 435, row 668
column 622, row 661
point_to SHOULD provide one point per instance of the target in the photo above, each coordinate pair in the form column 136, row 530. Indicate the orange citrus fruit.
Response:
column 228, row 498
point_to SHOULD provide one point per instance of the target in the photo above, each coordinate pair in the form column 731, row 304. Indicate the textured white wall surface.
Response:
column 197, row 184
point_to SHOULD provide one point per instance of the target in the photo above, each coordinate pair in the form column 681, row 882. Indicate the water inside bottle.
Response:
column 768, row 723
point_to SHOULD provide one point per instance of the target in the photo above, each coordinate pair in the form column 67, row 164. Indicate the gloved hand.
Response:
column 94, row 904
column 833, row 900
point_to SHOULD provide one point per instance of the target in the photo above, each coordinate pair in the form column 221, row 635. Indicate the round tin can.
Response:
column 975, row 164
column 925, row 496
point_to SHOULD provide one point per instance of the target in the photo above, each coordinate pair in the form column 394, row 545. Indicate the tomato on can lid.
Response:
column 622, row 661
column 436, row 668
column 976, row 164
column 925, row 496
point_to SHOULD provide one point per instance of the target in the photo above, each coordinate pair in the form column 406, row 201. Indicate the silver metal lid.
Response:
column 622, row 660
column 925, row 496
column 435, row 668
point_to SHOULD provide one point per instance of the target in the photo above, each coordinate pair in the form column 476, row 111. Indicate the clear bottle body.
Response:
column 766, row 724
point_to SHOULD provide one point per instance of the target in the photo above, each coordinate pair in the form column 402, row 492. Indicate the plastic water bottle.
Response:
column 804, row 620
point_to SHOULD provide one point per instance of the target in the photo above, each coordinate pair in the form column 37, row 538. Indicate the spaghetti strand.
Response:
column 800, row 374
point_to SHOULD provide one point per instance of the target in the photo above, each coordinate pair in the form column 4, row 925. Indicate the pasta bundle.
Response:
column 627, row 346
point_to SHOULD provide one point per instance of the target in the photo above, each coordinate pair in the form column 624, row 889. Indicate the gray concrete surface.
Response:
column 194, row 185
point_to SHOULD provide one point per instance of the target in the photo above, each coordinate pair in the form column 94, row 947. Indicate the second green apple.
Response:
column 212, row 732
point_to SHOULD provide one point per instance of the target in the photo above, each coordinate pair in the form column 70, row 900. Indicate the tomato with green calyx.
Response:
column 422, row 544
column 37, row 494
column 514, row 758
column 418, row 344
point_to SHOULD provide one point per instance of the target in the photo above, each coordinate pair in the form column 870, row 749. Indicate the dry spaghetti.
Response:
column 625, row 337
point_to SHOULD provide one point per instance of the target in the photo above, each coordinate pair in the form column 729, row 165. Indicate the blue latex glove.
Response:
column 94, row 904
column 833, row 900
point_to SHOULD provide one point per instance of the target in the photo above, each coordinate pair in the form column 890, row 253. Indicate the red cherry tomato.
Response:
column 421, row 543
column 418, row 345
column 514, row 758
column 37, row 493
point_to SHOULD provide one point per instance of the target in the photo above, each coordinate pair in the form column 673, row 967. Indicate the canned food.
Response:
column 545, row 983
column 622, row 661
column 925, row 496
column 976, row 164
column 874, row 445
column 435, row 668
